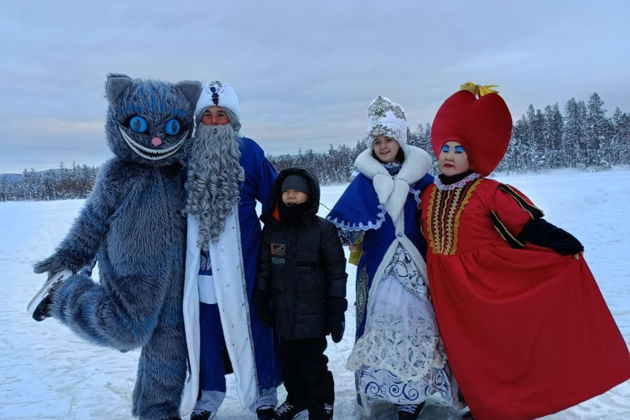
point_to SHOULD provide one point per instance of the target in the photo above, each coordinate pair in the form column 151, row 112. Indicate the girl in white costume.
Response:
column 398, row 356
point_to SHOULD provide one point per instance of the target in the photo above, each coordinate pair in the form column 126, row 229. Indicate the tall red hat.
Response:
column 478, row 118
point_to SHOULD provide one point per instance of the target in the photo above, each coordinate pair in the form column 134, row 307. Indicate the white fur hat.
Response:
column 386, row 118
column 218, row 94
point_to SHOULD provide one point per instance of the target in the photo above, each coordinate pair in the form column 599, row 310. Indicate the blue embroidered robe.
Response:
column 247, row 334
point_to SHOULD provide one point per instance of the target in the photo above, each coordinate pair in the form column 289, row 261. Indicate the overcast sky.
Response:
column 305, row 72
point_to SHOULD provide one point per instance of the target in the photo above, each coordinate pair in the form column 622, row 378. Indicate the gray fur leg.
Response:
column 162, row 370
column 122, row 315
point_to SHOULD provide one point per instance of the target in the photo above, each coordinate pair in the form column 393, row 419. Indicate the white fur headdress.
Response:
column 386, row 118
column 218, row 94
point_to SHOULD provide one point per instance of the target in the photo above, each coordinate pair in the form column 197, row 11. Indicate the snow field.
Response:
column 47, row 372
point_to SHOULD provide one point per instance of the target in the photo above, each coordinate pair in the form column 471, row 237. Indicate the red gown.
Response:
column 526, row 331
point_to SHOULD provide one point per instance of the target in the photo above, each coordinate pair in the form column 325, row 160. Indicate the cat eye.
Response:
column 138, row 124
column 172, row 127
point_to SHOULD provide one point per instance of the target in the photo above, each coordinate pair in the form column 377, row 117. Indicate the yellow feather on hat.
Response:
column 478, row 90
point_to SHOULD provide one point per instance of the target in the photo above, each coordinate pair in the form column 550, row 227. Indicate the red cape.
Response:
column 526, row 331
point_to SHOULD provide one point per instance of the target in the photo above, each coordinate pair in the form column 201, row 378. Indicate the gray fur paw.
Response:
column 52, row 264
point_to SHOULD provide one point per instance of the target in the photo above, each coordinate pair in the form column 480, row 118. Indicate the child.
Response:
column 398, row 356
column 300, row 290
column 525, row 327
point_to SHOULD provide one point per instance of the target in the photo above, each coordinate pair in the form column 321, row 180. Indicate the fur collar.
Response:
column 391, row 190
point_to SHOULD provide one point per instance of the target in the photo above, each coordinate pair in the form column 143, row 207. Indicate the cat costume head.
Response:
column 148, row 121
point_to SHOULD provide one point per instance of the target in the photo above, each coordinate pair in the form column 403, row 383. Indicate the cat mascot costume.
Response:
column 132, row 224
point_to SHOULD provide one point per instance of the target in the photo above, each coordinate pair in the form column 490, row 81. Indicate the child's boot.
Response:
column 410, row 411
column 321, row 412
column 286, row 411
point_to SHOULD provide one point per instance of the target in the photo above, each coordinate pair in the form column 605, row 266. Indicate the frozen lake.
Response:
column 49, row 373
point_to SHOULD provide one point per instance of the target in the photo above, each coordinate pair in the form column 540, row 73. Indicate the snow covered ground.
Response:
column 47, row 372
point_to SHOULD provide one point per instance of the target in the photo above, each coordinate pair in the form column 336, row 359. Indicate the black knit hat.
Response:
column 295, row 182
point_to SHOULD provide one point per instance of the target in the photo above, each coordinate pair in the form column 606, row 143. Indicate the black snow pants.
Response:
column 307, row 379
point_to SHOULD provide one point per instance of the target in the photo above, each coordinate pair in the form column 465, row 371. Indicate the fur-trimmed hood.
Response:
column 276, row 195
column 392, row 190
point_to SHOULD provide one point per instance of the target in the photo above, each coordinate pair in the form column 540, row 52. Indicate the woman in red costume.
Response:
column 525, row 327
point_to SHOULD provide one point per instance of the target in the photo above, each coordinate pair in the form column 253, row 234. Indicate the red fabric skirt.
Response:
column 527, row 331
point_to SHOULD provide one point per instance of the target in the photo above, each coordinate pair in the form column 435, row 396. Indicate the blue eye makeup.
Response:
column 172, row 127
column 457, row 149
column 138, row 124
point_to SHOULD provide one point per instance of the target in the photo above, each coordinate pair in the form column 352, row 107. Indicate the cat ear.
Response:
column 115, row 84
column 191, row 90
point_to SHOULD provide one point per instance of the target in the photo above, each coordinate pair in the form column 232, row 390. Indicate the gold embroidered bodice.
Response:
column 443, row 217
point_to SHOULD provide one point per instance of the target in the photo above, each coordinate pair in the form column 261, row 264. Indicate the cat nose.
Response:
column 156, row 141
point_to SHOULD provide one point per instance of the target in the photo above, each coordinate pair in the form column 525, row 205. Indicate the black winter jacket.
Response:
column 301, row 267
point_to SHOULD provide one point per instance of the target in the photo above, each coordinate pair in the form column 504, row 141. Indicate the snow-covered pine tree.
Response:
column 620, row 141
column 537, row 140
column 553, row 122
column 598, row 132
column 573, row 135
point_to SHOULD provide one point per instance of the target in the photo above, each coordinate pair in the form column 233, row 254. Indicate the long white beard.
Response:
column 214, row 176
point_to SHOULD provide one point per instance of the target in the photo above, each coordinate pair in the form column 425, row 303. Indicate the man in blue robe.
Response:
column 226, row 175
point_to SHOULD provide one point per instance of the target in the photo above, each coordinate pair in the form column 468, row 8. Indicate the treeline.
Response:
column 331, row 167
column 54, row 184
column 581, row 137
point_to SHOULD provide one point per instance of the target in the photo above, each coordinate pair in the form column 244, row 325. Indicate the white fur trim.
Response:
column 191, row 317
column 234, row 307
column 397, row 199
column 227, row 268
column 384, row 185
column 391, row 190
column 206, row 290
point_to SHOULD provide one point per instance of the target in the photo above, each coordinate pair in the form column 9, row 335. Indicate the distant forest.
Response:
column 582, row 136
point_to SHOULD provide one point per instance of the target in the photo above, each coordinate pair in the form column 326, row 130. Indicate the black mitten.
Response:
column 336, row 326
column 263, row 308
column 335, row 321
column 543, row 233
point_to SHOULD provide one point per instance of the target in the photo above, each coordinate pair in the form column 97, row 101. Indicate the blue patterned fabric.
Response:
column 358, row 209
column 382, row 384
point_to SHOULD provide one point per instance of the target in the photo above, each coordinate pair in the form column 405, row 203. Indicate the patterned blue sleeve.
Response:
column 358, row 208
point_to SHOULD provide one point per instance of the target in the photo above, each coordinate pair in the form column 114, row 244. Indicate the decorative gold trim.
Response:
column 472, row 188
column 449, row 235
column 504, row 232
column 443, row 217
column 444, row 200
column 430, row 220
